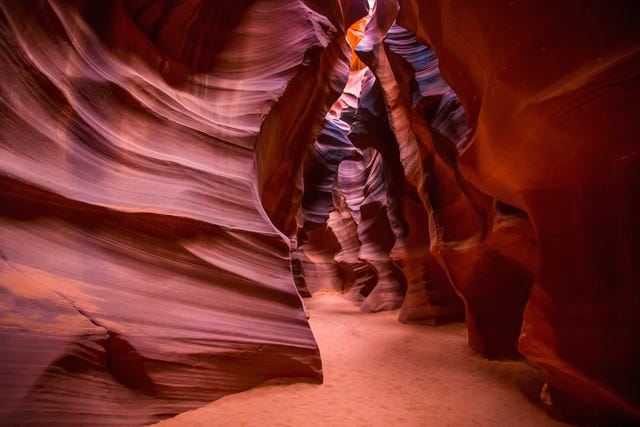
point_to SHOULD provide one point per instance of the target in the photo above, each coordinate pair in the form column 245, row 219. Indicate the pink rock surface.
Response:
column 140, row 274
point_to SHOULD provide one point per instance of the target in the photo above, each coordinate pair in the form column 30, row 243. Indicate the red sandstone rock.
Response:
column 551, row 93
column 166, row 166
column 450, row 242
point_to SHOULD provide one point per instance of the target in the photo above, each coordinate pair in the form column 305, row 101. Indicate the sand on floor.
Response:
column 379, row 372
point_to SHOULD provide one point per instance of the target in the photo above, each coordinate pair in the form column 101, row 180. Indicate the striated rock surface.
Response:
column 175, row 174
column 345, row 237
column 551, row 93
column 361, row 226
column 140, row 274
column 486, row 251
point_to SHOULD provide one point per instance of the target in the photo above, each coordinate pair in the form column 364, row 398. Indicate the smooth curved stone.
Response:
column 140, row 274
column 551, row 93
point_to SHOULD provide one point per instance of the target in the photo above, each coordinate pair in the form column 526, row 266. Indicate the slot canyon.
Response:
column 191, row 189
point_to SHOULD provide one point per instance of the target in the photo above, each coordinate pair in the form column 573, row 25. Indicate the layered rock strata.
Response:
column 174, row 174
column 361, row 226
column 346, row 201
column 140, row 274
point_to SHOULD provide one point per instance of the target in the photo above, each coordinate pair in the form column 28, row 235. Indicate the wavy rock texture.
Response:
column 486, row 249
column 551, row 93
column 140, row 275
column 361, row 226
column 345, row 237
column 173, row 171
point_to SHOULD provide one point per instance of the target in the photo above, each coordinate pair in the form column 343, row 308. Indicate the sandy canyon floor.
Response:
column 379, row 372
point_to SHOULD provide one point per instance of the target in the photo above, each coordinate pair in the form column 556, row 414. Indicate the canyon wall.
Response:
column 140, row 273
column 524, row 202
column 175, row 174
column 551, row 90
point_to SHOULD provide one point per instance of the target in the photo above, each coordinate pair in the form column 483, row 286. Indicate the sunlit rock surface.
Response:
column 140, row 274
column 551, row 90
column 362, row 228
column 345, row 236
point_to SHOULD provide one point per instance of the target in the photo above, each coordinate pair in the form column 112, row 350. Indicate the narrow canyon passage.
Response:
column 375, row 375
column 176, row 174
